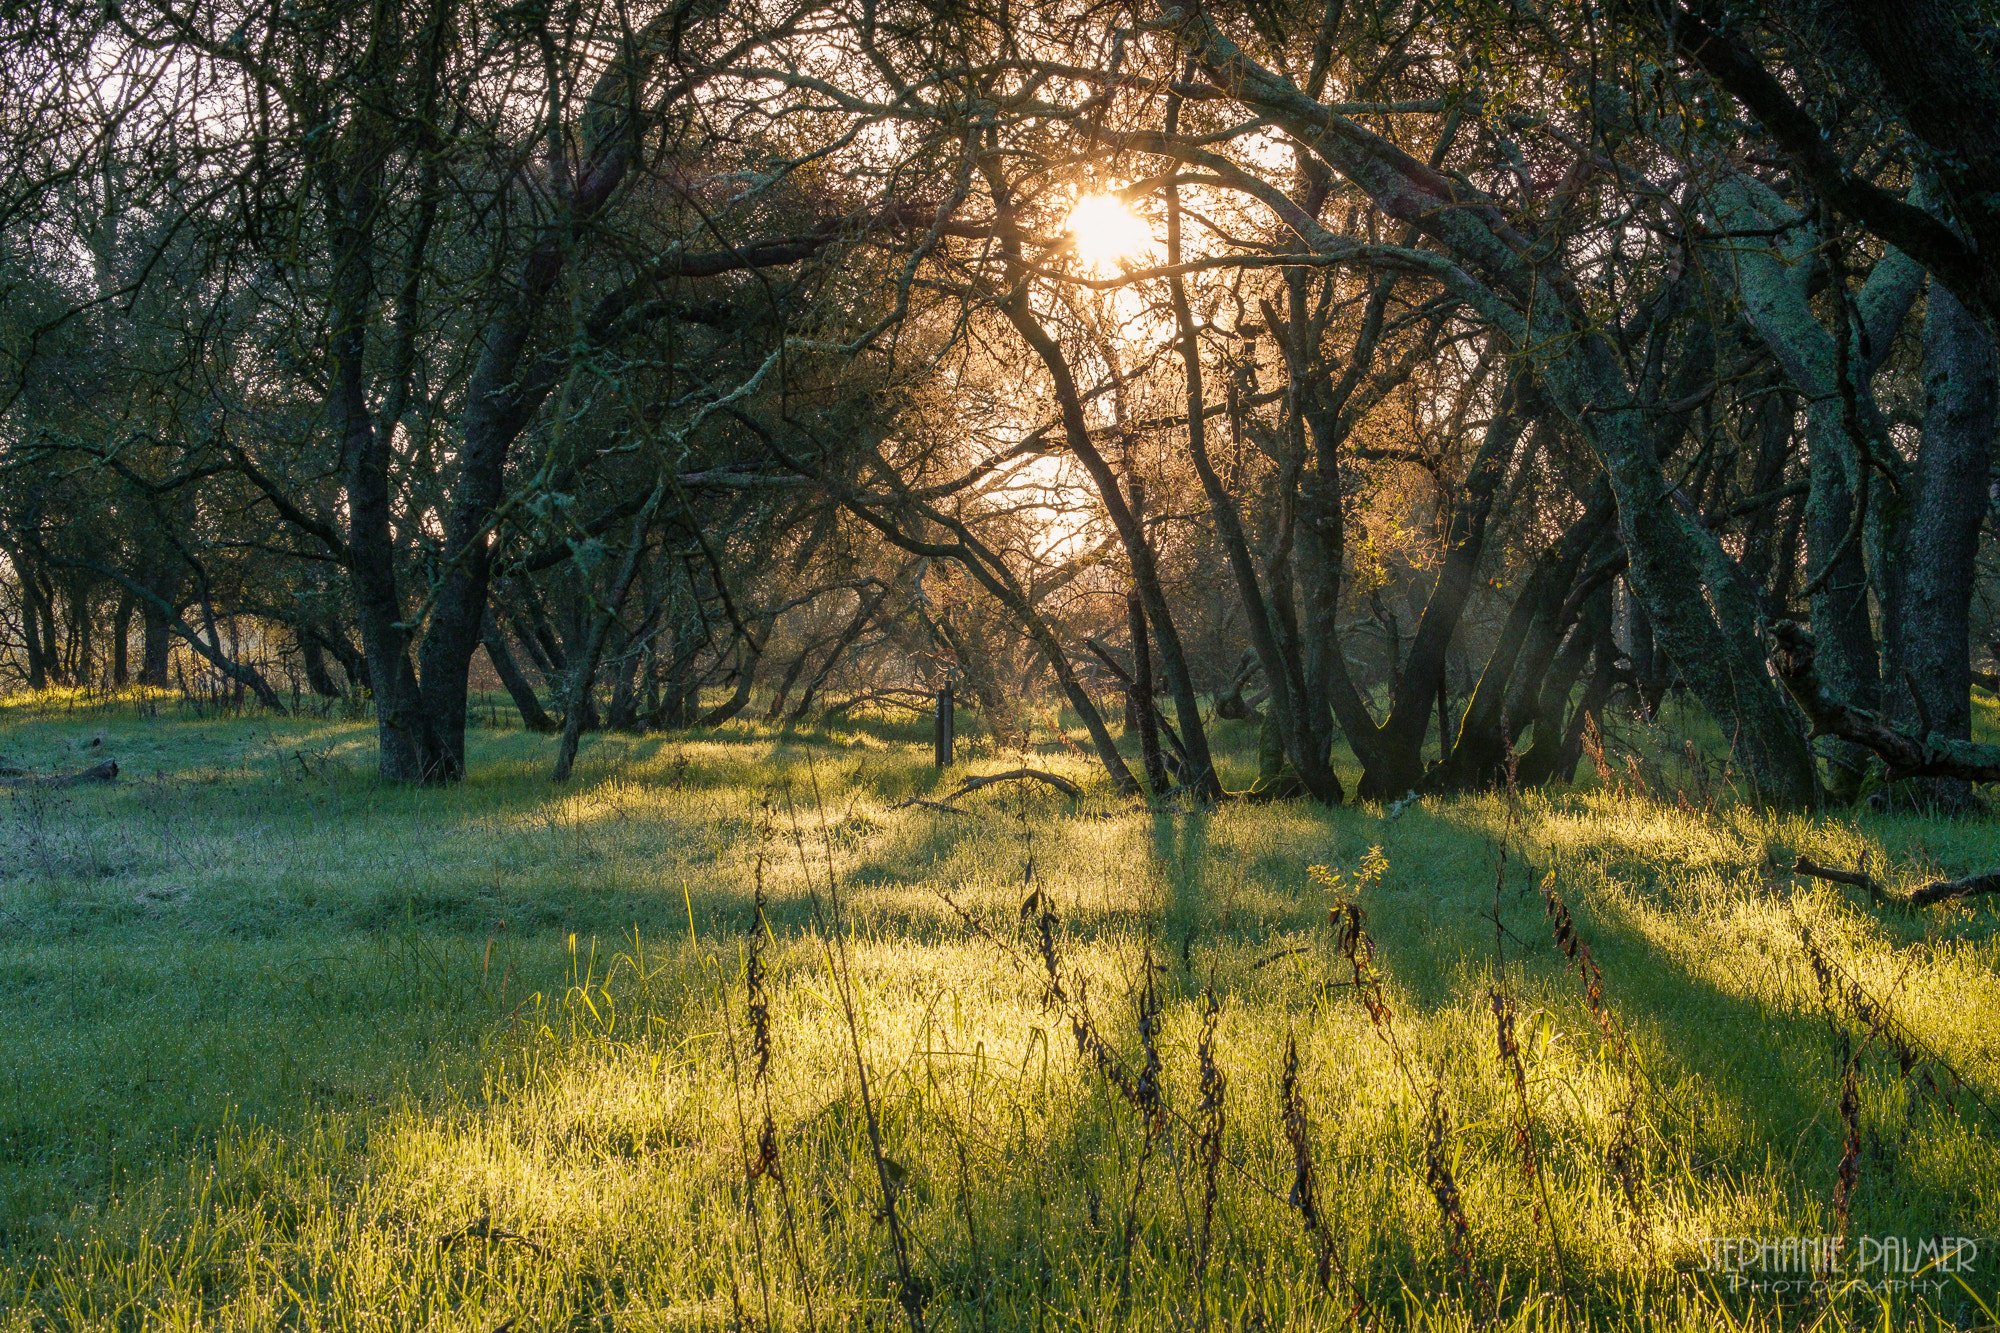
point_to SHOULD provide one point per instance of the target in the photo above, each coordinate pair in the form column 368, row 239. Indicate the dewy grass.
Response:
column 287, row 1048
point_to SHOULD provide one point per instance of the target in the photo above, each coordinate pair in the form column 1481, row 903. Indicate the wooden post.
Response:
column 945, row 720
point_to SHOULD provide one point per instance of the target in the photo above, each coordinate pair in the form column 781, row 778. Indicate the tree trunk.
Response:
column 1393, row 755
column 793, row 670
column 1140, row 692
column 156, row 644
column 600, row 625
column 1841, row 624
column 1773, row 429
column 1554, row 720
column 746, row 674
column 679, row 687
column 622, row 713
column 1519, row 656
column 1648, row 678
column 533, row 716
column 318, row 679
column 121, row 629
column 871, row 604
column 1833, row 371
column 944, row 725
column 1941, row 542
column 1290, row 707
column 1145, row 573
column 84, row 669
column 408, row 748
column 31, row 625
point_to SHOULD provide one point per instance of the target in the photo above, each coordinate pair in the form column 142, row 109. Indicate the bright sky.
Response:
column 1106, row 232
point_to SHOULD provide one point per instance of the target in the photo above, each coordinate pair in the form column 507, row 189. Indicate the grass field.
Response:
column 286, row 1048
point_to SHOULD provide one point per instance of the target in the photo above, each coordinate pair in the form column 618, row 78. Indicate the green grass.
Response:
column 276, row 1035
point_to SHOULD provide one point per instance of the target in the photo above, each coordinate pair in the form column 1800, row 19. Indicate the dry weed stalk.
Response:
column 1444, row 1187
column 1563, row 926
column 1150, row 1102
column 1510, row 1059
column 1524, row 1128
column 1848, row 1176
column 765, row 1159
column 1305, row 1180
column 757, row 1010
column 1212, row 1121
column 1354, row 944
column 1089, row 1041
column 765, row 1164
column 1512, row 769
column 1624, row 1155
column 1838, row 993
column 1038, row 909
column 1918, row 1065
column 1149, row 1096
column 913, row 1291
column 1350, row 936
column 1593, row 749
column 1637, row 774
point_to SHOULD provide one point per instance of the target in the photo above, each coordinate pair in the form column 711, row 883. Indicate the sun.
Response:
column 1105, row 232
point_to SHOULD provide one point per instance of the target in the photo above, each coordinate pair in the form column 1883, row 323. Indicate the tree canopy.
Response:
column 1430, row 375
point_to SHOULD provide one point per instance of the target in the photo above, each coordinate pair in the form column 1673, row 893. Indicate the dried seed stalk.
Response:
column 766, row 1165
column 1151, row 1105
column 1305, row 1185
column 1848, row 1176
column 1573, row 948
column 1444, row 1186
column 1148, row 1096
column 1211, row 1116
column 1917, row 1066
column 1510, row 1057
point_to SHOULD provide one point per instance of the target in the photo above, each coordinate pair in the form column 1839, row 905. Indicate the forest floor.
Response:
column 287, row 1048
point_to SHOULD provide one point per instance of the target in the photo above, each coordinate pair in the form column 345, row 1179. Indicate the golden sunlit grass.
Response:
column 292, row 1049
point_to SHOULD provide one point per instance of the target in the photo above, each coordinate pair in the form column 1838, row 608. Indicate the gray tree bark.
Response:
column 1954, row 461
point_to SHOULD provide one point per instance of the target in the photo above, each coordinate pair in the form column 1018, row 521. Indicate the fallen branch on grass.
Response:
column 104, row 772
column 1859, row 879
column 1941, row 891
column 1947, row 890
column 1063, row 785
column 933, row 805
column 1904, row 754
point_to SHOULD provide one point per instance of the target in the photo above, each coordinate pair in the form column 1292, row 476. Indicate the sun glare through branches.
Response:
column 1106, row 232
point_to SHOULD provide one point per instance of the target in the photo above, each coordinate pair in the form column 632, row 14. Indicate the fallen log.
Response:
column 1063, row 785
column 104, row 772
column 1904, row 754
column 1947, row 890
column 1859, row 879
column 932, row 805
